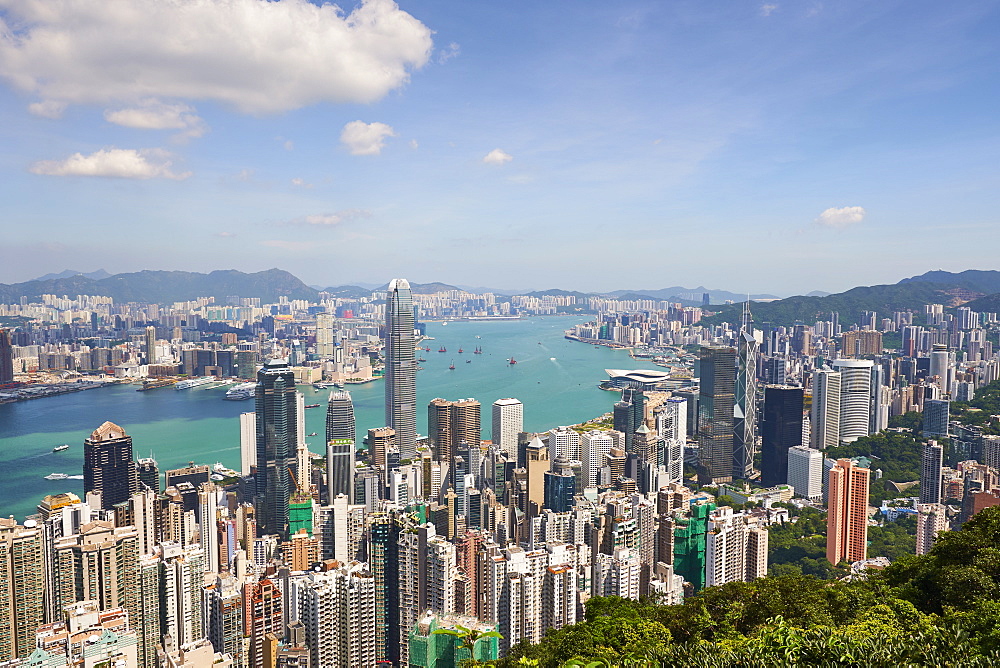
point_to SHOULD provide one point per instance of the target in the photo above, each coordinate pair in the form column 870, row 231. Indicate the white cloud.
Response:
column 362, row 138
column 255, row 55
column 768, row 9
column 414, row 145
column 447, row 54
column 226, row 235
column 301, row 183
column 151, row 114
column 497, row 157
column 332, row 219
column 289, row 145
column 843, row 217
column 122, row 163
column 47, row 109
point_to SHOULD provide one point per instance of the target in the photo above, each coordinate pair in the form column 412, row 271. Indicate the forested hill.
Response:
column 165, row 287
column 884, row 299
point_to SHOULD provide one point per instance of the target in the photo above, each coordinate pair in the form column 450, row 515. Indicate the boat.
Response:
column 241, row 392
column 460, row 351
column 421, row 359
column 60, row 448
column 312, row 434
column 56, row 476
column 452, row 367
column 477, row 351
column 512, row 360
column 194, row 382
column 442, row 349
column 312, row 406
column 468, row 361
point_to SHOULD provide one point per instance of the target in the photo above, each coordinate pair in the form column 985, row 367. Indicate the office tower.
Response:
column 340, row 416
column 939, row 367
column 559, row 488
column 855, row 397
column 931, row 463
column 149, row 474
column 277, row 432
column 246, row 364
column 183, row 570
column 671, row 427
column 6, row 358
column 401, row 367
column 935, row 418
column 379, row 442
column 847, row 513
column 150, row 351
column 824, row 423
column 208, row 528
column 805, row 472
column 594, row 446
column 781, row 429
column 383, row 559
column 565, row 443
column 931, row 520
column 628, row 414
column 193, row 474
column 325, row 343
column 508, row 422
column 715, row 414
column 22, row 585
column 450, row 423
column 745, row 408
column 248, row 442
column 107, row 465
column 736, row 548
column 337, row 609
column 802, row 340
column 224, row 616
column 881, row 400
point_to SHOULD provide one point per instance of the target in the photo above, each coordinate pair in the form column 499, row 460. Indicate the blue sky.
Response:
column 779, row 146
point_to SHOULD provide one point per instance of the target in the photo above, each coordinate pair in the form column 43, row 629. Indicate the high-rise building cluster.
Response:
column 358, row 555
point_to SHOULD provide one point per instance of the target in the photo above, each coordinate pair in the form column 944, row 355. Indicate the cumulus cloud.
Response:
column 839, row 218
column 447, row 54
column 497, row 157
column 768, row 9
column 362, row 138
column 151, row 114
column 255, row 55
column 121, row 163
column 47, row 109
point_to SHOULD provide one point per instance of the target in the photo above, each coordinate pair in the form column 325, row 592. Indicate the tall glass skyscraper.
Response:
column 340, row 442
column 401, row 367
column 277, row 441
column 715, row 414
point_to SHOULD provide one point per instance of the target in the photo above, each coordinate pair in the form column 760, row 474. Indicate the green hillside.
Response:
column 884, row 299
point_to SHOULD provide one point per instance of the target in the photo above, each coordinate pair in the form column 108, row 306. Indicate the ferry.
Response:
column 194, row 382
column 312, row 434
column 241, row 392
column 312, row 405
column 60, row 448
column 56, row 476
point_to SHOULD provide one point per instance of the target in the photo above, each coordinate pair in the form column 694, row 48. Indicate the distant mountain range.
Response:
column 979, row 289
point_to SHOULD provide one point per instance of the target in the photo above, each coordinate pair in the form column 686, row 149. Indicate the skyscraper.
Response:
column 931, row 462
column 935, row 418
column 932, row 519
column 736, row 548
column 715, row 414
column 248, row 442
column 745, row 409
column 277, row 441
column 150, row 350
column 847, row 513
column 21, row 587
column 6, row 358
column 781, row 429
column 508, row 422
column 450, row 423
column 855, row 397
column 671, row 427
column 401, row 367
column 340, row 445
column 107, row 465
column 825, row 423
column 805, row 471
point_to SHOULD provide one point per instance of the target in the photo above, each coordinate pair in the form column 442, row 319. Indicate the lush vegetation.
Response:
column 883, row 299
column 939, row 609
column 980, row 410
column 896, row 454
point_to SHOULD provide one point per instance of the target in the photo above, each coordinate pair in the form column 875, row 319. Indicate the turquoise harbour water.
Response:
column 555, row 378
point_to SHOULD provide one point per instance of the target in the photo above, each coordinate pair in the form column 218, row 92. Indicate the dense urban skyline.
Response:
column 505, row 138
